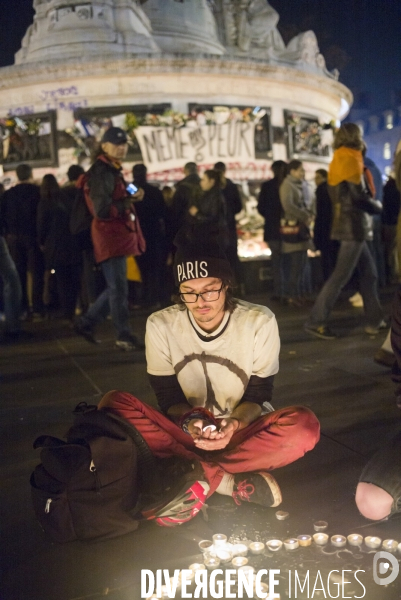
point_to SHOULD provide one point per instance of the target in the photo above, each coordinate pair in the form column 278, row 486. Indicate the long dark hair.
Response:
column 350, row 136
column 49, row 189
column 280, row 170
column 229, row 304
column 215, row 175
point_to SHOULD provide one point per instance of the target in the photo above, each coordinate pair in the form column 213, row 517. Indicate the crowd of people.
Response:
column 211, row 358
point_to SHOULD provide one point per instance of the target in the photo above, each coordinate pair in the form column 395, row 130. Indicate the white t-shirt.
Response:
column 213, row 373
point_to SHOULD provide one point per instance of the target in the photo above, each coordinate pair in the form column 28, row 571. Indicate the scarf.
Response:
column 347, row 165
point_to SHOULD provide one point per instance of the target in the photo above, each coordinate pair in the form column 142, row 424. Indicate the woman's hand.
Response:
column 217, row 440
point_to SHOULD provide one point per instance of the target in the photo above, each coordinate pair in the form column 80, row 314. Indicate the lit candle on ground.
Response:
column 274, row 545
column 197, row 567
column 219, row 539
column 263, row 587
column 247, row 569
column 399, row 547
column 339, row 541
column 239, row 561
column 223, row 555
column 256, row 547
column 304, row 540
column 212, row 562
column 372, row 542
column 354, row 539
column 320, row 525
column 205, row 546
column 321, row 539
column 240, row 550
column 390, row 545
column 291, row 544
column 281, row 515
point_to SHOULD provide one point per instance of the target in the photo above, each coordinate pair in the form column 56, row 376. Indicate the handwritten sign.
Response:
column 165, row 148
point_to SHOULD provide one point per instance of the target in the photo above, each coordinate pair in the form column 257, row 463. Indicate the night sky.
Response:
column 362, row 38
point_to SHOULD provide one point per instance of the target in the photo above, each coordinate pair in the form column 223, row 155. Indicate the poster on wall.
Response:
column 30, row 139
column 307, row 138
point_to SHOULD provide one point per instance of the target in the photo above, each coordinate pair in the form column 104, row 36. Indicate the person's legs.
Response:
column 297, row 263
column 11, row 289
column 275, row 247
column 368, row 287
column 115, row 273
column 378, row 493
column 36, row 266
column 347, row 259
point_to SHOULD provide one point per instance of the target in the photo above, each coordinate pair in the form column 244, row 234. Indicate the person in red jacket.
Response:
column 116, row 234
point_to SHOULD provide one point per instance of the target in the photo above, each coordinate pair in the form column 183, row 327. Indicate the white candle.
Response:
column 320, row 525
column 205, row 546
column 239, row 561
column 390, row 545
column 354, row 539
column 256, row 547
column 274, row 545
column 320, row 539
column 372, row 541
column 338, row 540
column 219, row 539
column 197, row 567
column 223, row 555
column 291, row 544
column 304, row 540
column 240, row 550
column 212, row 562
column 281, row 515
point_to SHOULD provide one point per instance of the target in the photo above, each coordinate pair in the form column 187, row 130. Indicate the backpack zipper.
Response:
column 47, row 508
column 92, row 467
column 93, row 470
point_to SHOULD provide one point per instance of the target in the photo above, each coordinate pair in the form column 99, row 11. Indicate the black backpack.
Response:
column 80, row 217
column 87, row 486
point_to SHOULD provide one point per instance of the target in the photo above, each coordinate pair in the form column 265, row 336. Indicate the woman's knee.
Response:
column 372, row 501
column 308, row 422
column 116, row 399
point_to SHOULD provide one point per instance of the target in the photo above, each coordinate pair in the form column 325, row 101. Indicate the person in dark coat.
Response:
column 152, row 217
column 234, row 206
column 60, row 252
column 391, row 209
column 321, row 232
column 20, row 204
column 269, row 206
column 210, row 210
column 187, row 192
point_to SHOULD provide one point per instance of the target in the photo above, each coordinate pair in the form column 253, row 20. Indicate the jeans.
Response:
column 297, row 262
column 384, row 471
column 11, row 288
column 351, row 254
column 28, row 259
column 114, row 299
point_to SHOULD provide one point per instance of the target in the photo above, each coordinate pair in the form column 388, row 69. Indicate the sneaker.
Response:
column 322, row 331
column 129, row 343
column 181, row 503
column 373, row 330
column 259, row 488
column 385, row 358
column 86, row 331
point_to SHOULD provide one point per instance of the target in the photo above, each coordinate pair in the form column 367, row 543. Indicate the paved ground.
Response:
column 42, row 380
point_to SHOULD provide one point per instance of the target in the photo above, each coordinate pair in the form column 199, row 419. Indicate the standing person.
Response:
column 187, row 192
column 116, row 234
column 57, row 243
column 152, row 217
column 391, row 209
column 296, row 214
column 234, row 206
column 352, row 227
column 374, row 182
column 211, row 208
column 269, row 206
column 322, row 229
column 12, row 293
column 211, row 361
column 20, row 210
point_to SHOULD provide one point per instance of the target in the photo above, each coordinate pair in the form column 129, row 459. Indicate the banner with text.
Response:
column 166, row 148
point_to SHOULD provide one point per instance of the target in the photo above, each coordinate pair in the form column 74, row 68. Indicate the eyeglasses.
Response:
column 210, row 296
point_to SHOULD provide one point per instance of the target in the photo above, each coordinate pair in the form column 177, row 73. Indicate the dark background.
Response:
column 361, row 38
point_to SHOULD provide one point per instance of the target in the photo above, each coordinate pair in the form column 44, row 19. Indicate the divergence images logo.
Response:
column 384, row 567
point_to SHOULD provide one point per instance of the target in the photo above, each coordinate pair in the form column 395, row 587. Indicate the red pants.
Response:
column 272, row 441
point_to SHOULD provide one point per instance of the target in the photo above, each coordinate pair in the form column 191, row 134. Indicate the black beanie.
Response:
column 200, row 254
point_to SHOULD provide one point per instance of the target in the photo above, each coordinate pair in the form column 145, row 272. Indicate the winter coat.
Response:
column 53, row 226
column 20, row 204
column 233, row 206
column 269, row 206
column 115, row 229
column 212, row 210
column 292, row 202
column 346, row 189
